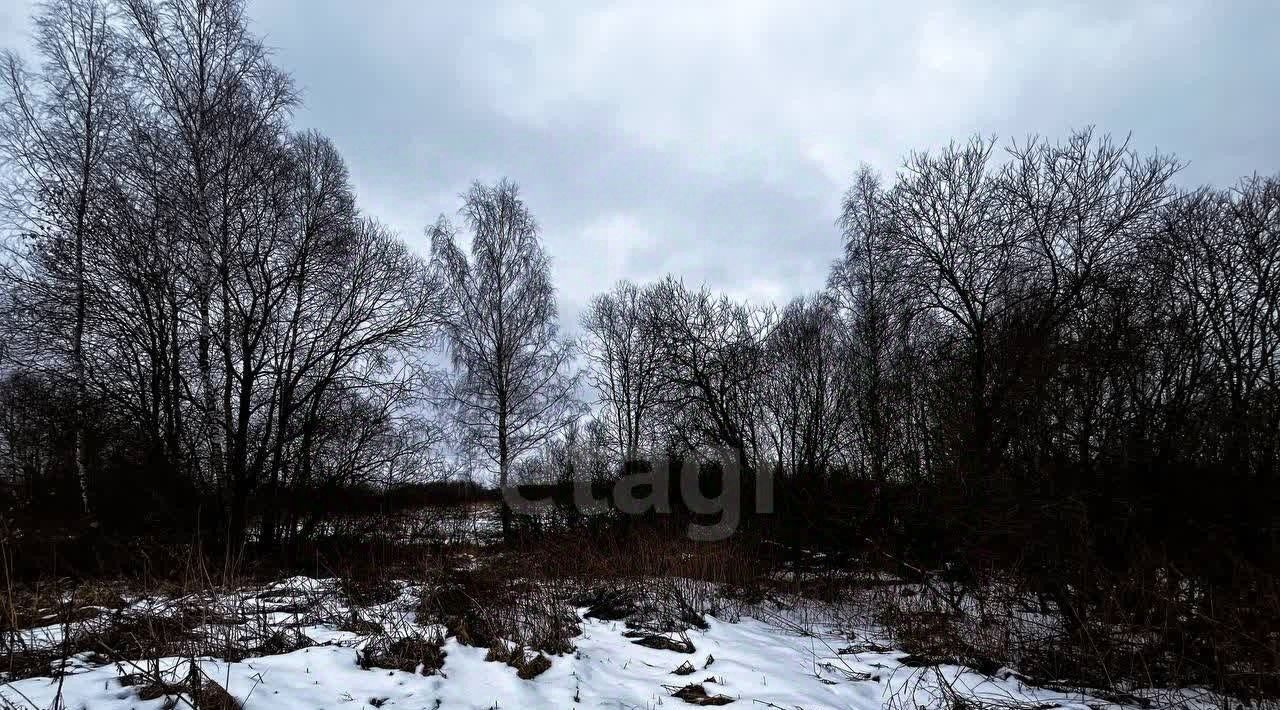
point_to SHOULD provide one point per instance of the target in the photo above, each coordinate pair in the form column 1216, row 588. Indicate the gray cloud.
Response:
column 713, row 140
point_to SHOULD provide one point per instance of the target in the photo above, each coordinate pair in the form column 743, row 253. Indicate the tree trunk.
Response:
column 77, row 344
column 504, row 469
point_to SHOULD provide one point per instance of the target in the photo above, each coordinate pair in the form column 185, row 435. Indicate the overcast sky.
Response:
column 714, row 139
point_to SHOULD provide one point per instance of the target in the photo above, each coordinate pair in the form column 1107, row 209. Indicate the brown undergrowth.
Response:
column 525, row 604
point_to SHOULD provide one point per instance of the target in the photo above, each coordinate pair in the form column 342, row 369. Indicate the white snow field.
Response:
column 770, row 662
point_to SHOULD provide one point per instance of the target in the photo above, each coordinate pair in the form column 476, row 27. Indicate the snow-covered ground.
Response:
column 767, row 660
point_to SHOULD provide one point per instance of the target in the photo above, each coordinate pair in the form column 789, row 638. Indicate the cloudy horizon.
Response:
column 714, row 141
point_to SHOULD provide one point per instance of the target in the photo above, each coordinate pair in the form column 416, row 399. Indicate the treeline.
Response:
column 1036, row 347
column 1044, row 355
column 1045, row 364
column 1047, row 354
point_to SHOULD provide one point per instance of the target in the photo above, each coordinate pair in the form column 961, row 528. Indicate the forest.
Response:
column 1044, row 371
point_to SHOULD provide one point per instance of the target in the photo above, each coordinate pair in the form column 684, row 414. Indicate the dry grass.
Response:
column 413, row 654
column 199, row 692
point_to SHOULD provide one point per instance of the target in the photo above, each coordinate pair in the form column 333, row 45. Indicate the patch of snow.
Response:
column 757, row 662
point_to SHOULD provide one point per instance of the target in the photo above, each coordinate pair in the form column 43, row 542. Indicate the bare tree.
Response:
column 514, row 386
column 1223, row 248
column 867, row 288
column 960, row 261
column 208, row 87
column 808, row 389
column 711, row 350
column 624, row 367
column 59, row 127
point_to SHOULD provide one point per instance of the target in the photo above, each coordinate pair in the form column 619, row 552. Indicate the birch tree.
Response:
column 513, row 387
column 58, row 127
